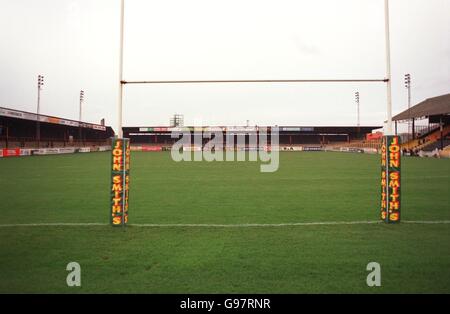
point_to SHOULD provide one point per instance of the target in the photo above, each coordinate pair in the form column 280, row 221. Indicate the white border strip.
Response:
column 55, row 224
column 260, row 225
column 427, row 222
column 325, row 223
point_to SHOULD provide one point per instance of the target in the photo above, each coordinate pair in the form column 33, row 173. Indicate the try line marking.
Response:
column 293, row 224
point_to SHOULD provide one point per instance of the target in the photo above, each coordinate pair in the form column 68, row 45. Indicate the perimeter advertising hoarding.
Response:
column 12, row 152
column 151, row 148
column 390, row 179
column 120, row 180
column 312, row 148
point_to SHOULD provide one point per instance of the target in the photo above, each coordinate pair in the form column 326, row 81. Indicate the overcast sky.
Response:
column 74, row 44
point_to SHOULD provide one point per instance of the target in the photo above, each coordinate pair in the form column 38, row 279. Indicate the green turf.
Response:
column 308, row 187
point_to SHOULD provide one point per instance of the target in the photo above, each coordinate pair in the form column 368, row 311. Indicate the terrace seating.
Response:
column 437, row 144
column 427, row 140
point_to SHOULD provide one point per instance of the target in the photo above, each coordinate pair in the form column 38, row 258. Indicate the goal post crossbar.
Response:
column 384, row 80
column 387, row 79
column 390, row 207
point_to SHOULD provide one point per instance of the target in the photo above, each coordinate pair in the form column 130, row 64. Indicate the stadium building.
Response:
column 433, row 132
column 20, row 129
column 156, row 137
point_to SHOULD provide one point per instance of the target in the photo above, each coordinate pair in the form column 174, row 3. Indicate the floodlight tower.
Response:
column 357, row 109
column 408, row 88
column 79, row 118
column 177, row 120
column 357, row 114
column 38, row 118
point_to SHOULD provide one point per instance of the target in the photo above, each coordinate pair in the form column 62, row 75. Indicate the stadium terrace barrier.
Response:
column 136, row 148
column 312, row 148
column 104, row 148
column 151, row 148
column 53, row 151
column 298, row 148
column 17, row 152
column 146, row 148
column 351, row 150
column 25, row 152
column 435, row 153
column 28, row 142
column 10, row 152
column 291, row 148
column 84, row 150
column 371, row 150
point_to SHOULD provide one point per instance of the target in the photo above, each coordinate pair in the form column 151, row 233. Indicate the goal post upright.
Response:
column 388, row 69
column 390, row 147
column 120, row 100
column 120, row 150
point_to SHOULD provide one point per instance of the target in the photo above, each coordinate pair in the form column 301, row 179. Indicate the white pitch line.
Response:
column 293, row 224
column 55, row 224
column 324, row 223
column 427, row 222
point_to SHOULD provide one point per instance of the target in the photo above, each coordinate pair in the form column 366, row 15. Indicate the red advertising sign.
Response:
column 374, row 136
column 11, row 152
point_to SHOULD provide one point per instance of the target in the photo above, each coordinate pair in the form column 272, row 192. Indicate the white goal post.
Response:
column 386, row 80
column 390, row 149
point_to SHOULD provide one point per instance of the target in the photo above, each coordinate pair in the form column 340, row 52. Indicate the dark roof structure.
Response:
column 18, row 114
column 436, row 106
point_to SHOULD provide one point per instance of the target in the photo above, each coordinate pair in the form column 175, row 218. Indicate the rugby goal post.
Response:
column 390, row 153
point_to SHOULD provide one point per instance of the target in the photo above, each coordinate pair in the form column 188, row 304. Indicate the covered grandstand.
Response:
column 288, row 135
column 21, row 129
column 435, row 134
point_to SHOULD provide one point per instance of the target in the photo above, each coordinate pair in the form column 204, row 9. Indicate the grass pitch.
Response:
column 308, row 187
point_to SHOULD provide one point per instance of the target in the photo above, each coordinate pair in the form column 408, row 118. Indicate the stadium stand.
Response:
column 288, row 135
column 18, row 129
column 436, row 145
column 429, row 141
column 374, row 144
column 432, row 136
